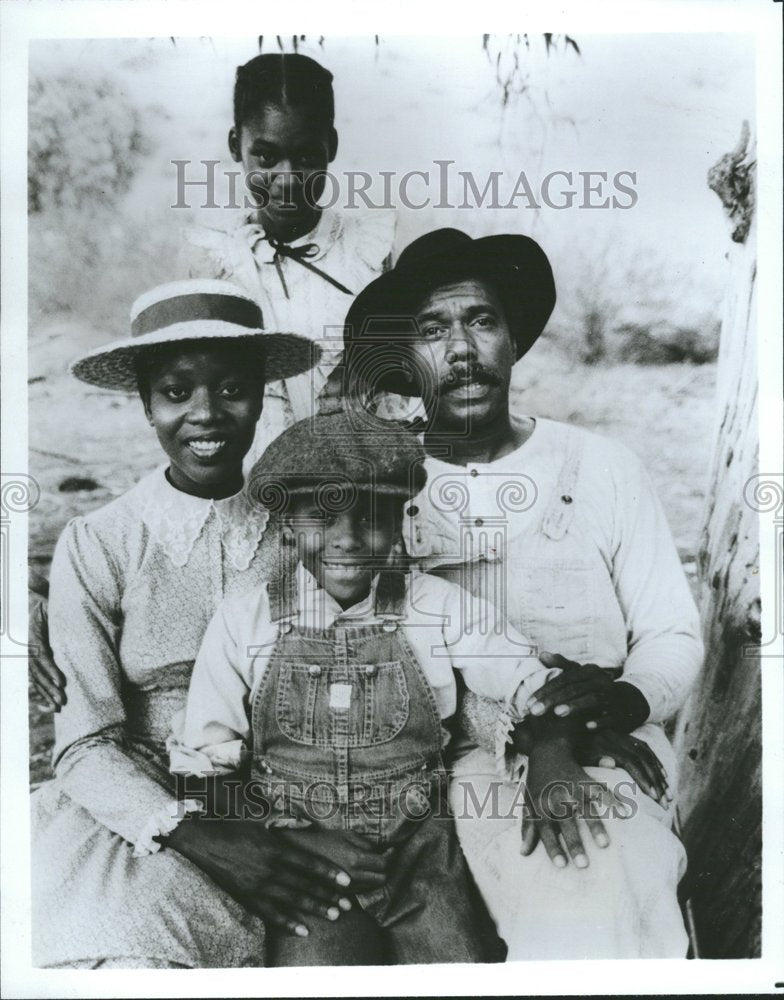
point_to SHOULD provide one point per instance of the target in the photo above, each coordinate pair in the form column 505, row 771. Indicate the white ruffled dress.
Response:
column 133, row 587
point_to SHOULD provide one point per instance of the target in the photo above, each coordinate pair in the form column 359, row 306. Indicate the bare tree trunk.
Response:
column 719, row 732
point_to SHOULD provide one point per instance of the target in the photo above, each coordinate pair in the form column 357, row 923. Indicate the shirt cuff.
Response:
column 507, row 761
column 654, row 692
column 527, row 686
column 161, row 824
column 215, row 758
column 281, row 822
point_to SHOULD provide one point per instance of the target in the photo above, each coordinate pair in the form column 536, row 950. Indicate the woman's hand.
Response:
column 592, row 693
column 263, row 870
column 47, row 679
column 606, row 748
column 358, row 857
column 558, row 793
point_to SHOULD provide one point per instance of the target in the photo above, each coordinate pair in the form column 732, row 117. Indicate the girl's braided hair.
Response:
column 283, row 78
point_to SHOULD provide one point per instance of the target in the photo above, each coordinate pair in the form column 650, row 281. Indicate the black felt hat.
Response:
column 338, row 453
column 381, row 318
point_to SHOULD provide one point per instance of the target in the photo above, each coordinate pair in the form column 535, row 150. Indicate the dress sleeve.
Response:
column 213, row 733
column 95, row 764
column 664, row 641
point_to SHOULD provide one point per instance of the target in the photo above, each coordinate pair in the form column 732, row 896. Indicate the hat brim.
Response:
column 383, row 314
column 337, row 453
column 275, row 492
column 114, row 366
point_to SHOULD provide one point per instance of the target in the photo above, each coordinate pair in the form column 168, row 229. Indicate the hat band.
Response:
column 197, row 306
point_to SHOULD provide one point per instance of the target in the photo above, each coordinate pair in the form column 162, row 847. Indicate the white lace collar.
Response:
column 176, row 519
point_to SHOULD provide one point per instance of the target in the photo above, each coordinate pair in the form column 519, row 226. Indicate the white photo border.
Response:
column 22, row 22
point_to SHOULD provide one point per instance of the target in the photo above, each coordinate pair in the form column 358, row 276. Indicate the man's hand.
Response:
column 47, row 680
column 592, row 693
column 606, row 748
column 558, row 794
column 270, row 876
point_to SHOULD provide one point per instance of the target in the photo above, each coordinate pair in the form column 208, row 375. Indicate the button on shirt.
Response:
column 494, row 512
column 446, row 631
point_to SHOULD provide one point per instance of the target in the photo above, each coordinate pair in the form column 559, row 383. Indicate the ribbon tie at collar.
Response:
column 300, row 255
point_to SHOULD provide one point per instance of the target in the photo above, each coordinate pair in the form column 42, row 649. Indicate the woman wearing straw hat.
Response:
column 133, row 587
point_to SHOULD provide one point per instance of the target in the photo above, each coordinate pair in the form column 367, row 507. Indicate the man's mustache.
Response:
column 464, row 374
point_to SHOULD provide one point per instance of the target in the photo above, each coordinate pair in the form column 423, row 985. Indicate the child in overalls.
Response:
column 336, row 681
column 301, row 261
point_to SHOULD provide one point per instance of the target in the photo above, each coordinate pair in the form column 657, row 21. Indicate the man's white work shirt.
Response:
column 574, row 549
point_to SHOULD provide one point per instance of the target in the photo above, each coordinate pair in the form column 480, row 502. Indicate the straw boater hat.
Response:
column 381, row 318
column 192, row 311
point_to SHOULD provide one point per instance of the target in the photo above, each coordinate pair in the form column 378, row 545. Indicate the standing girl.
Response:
column 301, row 262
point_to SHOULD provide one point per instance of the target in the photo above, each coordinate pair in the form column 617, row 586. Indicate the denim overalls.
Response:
column 347, row 734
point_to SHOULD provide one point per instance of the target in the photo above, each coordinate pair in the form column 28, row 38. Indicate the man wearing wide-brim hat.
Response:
column 562, row 529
